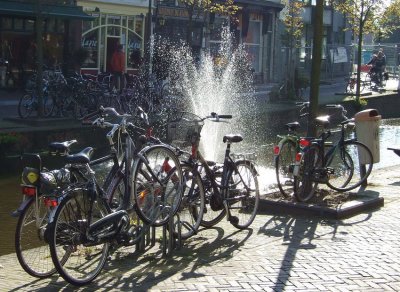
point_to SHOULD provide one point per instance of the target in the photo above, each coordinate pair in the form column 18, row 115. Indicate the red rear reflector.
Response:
column 29, row 191
column 276, row 150
column 50, row 202
column 298, row 157
column 304, row 142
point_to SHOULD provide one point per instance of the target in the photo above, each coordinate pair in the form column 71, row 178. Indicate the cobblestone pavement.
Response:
column 279, row 253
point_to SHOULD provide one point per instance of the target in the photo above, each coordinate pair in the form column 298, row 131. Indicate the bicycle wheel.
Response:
column 284, row 162
column 32, row 250
column 347, row 172
column 211, row 217
column 48, row 104
column 304, row 185
column 243, row 194
column 157, row 184
column 191, row 209
column 26, row 105
column 351, row 86
column 78, row 259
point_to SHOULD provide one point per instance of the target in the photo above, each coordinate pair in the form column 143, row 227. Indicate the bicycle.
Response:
column 285, row 152
column 29, row 102
column 89, row 220
column 38, row 185
column 338, row 165
column 230, row 188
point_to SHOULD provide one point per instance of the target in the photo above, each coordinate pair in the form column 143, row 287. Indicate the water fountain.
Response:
column 220, row 82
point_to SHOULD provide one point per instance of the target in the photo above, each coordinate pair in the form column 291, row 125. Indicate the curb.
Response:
column 346, row 210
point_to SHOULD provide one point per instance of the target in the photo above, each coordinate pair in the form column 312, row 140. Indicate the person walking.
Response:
column 118, row 67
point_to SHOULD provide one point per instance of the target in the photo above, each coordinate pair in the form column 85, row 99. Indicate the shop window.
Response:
column 139, row 26
column 134, row 48
column 29, row 25
column 90, row 43
column 18, row 24
column 252, row 42
column 6, row 23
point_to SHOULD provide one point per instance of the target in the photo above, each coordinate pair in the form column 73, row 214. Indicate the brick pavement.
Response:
column 279, row 253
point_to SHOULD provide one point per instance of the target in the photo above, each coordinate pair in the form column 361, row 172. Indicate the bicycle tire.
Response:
column 350, row 175
column 48, row 104
column 243, row 194
column 304, row 185
column 157, row 184
column 32, row 250
column 192, row 206
column 77, row 259
column 211, row 217
column 26, row 105
column 284, row 161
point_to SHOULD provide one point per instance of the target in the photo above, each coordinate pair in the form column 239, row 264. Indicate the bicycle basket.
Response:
column 186, row 127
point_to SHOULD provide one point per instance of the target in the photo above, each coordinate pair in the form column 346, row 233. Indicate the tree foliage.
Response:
column 293, row 21
column 390, row 20
column 201, row 9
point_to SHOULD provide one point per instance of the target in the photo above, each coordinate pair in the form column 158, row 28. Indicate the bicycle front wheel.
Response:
column 26, row 105
column 243, row 194
column 351, row 165
column 32, row 250
column 78, row 259
column 304, row 184
column 157, row 184
column 283, row 167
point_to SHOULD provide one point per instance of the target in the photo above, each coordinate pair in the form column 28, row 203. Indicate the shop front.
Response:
column 18, row 43
column 113, row 24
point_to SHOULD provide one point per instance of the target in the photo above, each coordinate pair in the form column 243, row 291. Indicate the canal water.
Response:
column 261, row 142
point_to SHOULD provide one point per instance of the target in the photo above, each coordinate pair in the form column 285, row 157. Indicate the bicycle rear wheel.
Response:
column 243, row 194
column 32, row 250
column 284, row 162
column 78, row 259
column 211, row 217
column 304, row 185
column 192, row 206
column 346, row 164
column 157, row 184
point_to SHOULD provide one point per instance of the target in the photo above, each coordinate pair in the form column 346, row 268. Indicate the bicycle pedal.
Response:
column 233, row 219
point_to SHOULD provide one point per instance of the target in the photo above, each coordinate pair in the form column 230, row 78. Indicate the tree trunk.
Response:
column 315, row 68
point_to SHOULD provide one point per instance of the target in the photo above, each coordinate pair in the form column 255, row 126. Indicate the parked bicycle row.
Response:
column 301, row 163
column 75, row 96
column 70, row 219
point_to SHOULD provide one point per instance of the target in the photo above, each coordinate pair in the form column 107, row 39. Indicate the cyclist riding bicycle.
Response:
column 378, row 63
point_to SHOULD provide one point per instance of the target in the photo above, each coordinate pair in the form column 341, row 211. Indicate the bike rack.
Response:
column 169, row 241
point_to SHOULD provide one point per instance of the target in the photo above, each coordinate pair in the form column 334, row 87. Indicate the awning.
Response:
column 11, row 8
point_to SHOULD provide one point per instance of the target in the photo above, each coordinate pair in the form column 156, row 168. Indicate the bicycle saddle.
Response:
column 81, row 157
column 232, row 138
column 322, row 121
column 60, row 148
column 292, row 126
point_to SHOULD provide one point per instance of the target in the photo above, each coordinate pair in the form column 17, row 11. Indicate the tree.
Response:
column 201, row 9
column 293, row 21
column 389, row 23
column 362, row 18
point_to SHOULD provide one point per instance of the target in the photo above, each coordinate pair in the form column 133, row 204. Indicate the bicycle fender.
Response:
column 21, row 207
column 281, row 142
column 251, row 164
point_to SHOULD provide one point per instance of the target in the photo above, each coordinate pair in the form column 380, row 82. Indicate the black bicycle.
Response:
column 89, row 218
column 342, row 166
column 230, row 188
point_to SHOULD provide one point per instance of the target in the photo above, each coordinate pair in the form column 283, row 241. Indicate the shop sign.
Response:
column 89, row 43
column 173, row 12
column 133, row 45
